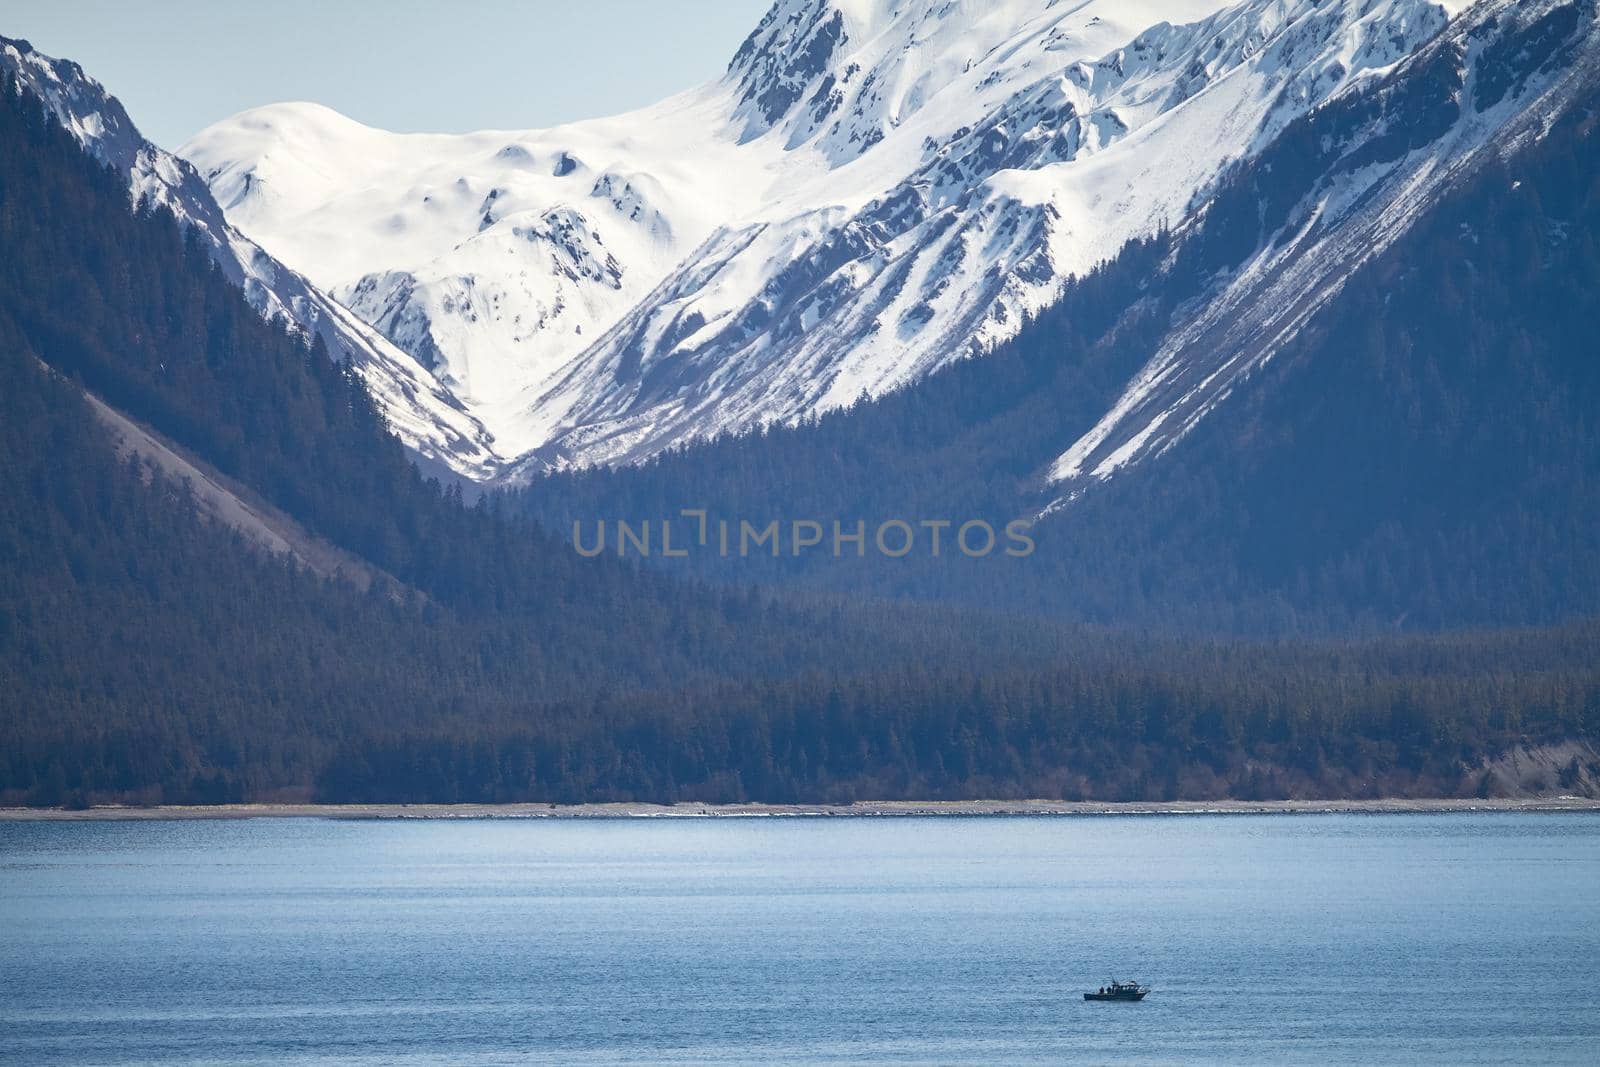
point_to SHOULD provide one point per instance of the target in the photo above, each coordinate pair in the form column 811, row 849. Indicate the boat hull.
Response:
column 1115, row 996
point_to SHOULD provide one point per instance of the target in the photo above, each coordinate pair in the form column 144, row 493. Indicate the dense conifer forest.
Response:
column 1154, row 722
column 150, row 654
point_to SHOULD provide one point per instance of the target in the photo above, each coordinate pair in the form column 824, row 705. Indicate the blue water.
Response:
column 1276, row 939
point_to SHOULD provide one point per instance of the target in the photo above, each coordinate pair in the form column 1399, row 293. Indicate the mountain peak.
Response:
column 874, row 189
column 843, row 74
column 421, row 412
column 787, row 59
column 854, row 70
column 93, row 116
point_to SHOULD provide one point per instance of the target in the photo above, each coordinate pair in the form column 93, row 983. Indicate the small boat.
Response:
column 1115, row 990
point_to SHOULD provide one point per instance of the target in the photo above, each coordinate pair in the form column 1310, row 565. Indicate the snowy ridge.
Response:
column 1496, row 78
column 778, row 320
column 874, row 189
column 422, row 413
column 492, row 257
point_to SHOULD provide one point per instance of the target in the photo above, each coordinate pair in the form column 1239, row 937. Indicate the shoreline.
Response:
column 862, row 809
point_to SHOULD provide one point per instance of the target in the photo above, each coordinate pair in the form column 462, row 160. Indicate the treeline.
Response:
column 1280, row 723
column 1119, row 718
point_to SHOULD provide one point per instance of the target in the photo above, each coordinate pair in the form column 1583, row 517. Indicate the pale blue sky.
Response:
column 179, row 65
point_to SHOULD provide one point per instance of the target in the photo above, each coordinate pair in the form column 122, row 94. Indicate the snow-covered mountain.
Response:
column 873, row 189
column 422, row 413
column 1352, row 181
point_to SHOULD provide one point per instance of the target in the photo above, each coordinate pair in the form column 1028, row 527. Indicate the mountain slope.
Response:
column 1418, row 452
column 424, row 415
column 1351, row 180
column 1081, row 149
column 872, row 191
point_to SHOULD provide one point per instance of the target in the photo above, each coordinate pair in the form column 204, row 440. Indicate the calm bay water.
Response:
column 1315, row 939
